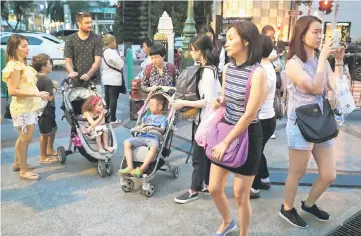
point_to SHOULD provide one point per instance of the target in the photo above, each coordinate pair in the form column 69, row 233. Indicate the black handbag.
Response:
column 278, row 107
column 7, row 114
column 123, row 88
column 317, row 126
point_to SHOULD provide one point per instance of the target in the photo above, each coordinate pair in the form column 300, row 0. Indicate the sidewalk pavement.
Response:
column 72, row 199
column 347, row 152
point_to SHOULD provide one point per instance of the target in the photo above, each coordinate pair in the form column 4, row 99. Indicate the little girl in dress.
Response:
column 94, row 112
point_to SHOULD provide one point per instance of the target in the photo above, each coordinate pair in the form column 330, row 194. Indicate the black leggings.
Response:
column 201, row 166
column 111, row 99
column 268, row 128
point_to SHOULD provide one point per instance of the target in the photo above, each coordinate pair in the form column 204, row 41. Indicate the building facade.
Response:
column 260, row 12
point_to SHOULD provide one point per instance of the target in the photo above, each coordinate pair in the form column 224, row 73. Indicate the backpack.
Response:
column 148, row 70
column 187, row 86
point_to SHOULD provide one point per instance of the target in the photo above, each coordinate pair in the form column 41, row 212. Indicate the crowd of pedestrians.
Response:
column 245, row 88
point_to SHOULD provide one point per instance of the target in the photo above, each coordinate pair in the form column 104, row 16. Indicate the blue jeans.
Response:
column 297, row 141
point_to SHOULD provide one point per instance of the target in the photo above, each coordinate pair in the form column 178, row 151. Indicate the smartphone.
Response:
column 336, row 35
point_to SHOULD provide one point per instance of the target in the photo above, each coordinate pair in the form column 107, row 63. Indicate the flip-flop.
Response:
column 49, row 160
column 30, row 167
column 30, row 176
column 54, row 154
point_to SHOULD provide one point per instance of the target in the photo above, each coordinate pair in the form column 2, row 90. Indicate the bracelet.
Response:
column 341, row 64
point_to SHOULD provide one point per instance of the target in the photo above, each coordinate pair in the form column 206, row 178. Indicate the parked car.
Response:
column 62, row 34
column 40, row 43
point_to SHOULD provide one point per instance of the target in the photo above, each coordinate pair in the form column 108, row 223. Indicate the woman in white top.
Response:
column 209, row 89
column 267, row 117
column 112, row 77
column 147, row 44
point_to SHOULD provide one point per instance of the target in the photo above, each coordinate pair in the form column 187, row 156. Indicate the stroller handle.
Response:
column 166, row 88
column 66, row 80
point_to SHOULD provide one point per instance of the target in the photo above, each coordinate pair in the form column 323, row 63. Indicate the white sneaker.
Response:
column 117, row 121
column 273, row 136
column 102, row 151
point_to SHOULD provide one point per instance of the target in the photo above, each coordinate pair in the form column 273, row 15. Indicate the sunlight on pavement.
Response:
column 67, row 175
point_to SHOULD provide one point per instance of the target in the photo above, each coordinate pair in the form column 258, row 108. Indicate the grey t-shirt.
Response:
column 82, row 53
column 45, row 84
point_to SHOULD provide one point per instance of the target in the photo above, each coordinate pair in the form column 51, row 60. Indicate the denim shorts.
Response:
column 143, row 141
column 297, row 141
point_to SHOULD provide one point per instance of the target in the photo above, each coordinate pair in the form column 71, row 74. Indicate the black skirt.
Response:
column 255, row 142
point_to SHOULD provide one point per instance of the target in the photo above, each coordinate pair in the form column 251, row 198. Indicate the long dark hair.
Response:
column 13, row 43
column 249, row 32
column 297, row 46
column 217, row 46
column 267, row 45
column 205, row 45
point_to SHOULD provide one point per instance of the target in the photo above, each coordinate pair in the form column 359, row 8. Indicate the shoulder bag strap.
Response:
column 111, row 67
column 248, row 85
column 148, row 70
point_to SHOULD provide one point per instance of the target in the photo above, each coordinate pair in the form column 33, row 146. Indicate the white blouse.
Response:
column 110, row 76
column 209, row 89
column 267, row 109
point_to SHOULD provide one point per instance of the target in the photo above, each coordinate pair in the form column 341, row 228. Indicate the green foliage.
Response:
column 202, row 10
column 55, row 11
column 20, row 8
column 136, row 17
column 76, row 7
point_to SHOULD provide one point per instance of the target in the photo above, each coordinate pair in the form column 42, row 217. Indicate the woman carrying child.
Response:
column 209, row 88
column 94, row 112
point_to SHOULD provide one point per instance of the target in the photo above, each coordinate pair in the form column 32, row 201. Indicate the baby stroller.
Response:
column 73, row 99
column 129, row 182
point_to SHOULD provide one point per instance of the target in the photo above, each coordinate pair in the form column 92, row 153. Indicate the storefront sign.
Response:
column 344, row 27
column 234, row 20
column 295, row 13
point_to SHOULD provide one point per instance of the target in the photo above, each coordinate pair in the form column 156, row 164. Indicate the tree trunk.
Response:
column 149, row 21
column 7, row 22
column 18, row 19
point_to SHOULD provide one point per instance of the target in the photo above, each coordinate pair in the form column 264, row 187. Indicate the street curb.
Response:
column 344, row 179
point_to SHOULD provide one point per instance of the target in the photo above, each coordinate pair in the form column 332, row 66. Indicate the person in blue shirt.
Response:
column 155, row 120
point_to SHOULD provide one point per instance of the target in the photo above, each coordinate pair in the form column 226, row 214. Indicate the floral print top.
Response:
column 166, row 79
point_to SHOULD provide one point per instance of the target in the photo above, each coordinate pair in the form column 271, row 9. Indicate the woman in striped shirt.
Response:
column 243, row 45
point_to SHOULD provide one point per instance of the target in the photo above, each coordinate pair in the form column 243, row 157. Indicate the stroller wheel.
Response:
column 61, row 154
column 176, row 172
column 128, row 186
column 109, row 167
column 150, row 192
column 102, row 168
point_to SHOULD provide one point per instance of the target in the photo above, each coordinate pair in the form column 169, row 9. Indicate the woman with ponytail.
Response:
column 218, row 50
column 209, row 88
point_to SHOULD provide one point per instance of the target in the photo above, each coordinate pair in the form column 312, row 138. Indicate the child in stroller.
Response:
column 73, row 100
column 153, row 155
column 152, row 121
column 94, row 113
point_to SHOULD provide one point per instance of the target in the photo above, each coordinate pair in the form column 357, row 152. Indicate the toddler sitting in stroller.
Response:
column 153, row 121
column 94, row 112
